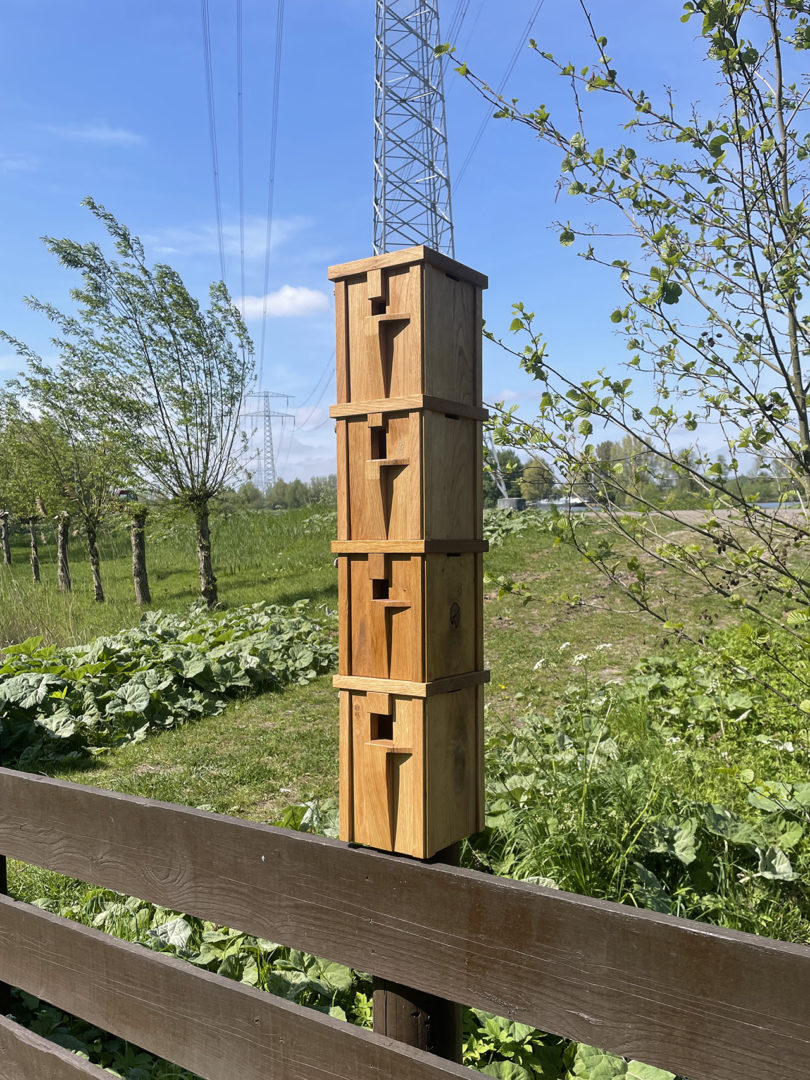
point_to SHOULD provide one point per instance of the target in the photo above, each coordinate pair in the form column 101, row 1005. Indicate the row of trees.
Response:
column 146, row 394
column 623, row 472
column 288, row 494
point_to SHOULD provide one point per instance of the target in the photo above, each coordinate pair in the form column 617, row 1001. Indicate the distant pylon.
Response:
column 411, row 169
column 265, row 457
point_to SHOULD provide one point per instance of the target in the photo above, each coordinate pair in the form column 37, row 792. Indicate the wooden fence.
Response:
column 707, row 1003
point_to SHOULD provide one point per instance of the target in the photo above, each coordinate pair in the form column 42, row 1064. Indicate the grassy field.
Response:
column 257, row 556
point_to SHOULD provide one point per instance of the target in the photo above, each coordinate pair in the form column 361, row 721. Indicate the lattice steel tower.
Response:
column 411, row 171
column 265, row 457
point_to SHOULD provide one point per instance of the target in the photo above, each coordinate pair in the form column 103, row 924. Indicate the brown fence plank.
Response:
column 214, row 1026
column 26, row 1056
column 710, row 1004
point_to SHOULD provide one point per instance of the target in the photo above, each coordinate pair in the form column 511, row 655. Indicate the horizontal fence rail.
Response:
column 708, row 1003
column 24, row 1054
column 213, row 1026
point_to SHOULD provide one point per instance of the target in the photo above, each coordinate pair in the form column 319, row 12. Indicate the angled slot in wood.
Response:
column 388, row 326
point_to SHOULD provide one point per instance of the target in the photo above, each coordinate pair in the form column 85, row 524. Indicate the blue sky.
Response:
column 109, row 101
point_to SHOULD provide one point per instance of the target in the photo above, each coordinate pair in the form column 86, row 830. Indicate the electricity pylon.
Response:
column 265, row 456
column 411, row 170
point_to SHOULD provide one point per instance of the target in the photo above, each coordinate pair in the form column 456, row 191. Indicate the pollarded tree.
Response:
column 712, row 215
column 171, row 376
column 5, row 470
column 84, row 455
column 27, row 481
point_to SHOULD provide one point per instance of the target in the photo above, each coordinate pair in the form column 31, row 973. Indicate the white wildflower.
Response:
column 580, row 658
column 565, row 645
column 604, row 645
column 539, row 663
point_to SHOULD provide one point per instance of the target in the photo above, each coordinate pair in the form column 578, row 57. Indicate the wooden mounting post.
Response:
column 409, row 547
column 5, row 989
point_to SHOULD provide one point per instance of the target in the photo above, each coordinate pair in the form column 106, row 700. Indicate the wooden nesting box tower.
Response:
column 409, row 550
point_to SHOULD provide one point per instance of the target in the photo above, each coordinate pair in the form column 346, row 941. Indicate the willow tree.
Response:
column 171, row 375
column 704, row 219
column 80, row 451
column 27, row 482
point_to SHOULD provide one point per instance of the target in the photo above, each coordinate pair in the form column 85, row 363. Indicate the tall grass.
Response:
column 258, row 555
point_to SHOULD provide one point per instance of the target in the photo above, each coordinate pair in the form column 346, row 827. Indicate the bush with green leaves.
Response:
column 498, row 524
column 58, row 702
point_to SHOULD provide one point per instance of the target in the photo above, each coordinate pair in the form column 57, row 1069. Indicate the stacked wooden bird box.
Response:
column 409, row 549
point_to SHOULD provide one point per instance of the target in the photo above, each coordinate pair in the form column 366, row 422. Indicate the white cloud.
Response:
column 287, row 302
column 97, row 133
column 204, row 239
column 16, row 164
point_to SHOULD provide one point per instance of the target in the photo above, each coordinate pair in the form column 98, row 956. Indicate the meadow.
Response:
column 622, row 762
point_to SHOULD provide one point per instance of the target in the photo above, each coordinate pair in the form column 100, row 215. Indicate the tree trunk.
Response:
column 32, row 532
column 4, row 538
column 95, row 564
column 137, row 535
column 62, row 560
column 208, row 582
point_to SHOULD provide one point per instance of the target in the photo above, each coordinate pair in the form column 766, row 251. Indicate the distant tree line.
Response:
column 623, row 472
column 287, row 494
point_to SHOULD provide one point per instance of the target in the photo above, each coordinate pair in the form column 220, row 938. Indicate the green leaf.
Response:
column 592, row 1064
column 774, row 865
column 617, row 316
column 506, row 1070
column 567, row 237
column 637, row 1071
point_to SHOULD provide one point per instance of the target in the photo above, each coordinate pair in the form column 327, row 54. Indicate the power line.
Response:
column 462, row 46
column 240, row 127
column 324, row 388
column 329, row 365
column 510, row 68
column 212, row 128
column 454, row 29
column 271, row 180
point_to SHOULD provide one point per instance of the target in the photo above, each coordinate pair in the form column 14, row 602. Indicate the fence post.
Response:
column 410, row 577
column 5, row 989
column 422, row 1020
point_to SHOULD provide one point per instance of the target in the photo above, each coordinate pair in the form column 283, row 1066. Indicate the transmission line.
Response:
column 212, row 128
column 322, row 375
column 510, row 68
column 240, row 128
column 271, row 180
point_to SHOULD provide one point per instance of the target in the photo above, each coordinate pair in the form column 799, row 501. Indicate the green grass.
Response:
column 257, row 555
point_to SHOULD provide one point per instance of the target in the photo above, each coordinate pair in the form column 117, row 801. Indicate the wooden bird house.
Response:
column 409, row 547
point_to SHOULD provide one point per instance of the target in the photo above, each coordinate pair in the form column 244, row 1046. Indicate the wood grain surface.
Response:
column 214, row 1026
column 407, row 547
column 708, row 1003
column 410, row 401
column 406, row 255
column 26, row 1056
column 415, row 689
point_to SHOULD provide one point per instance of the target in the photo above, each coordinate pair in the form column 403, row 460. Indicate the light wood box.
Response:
column 412, row 769
column 408, row 323
column 409, row 475
column 415, row 618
